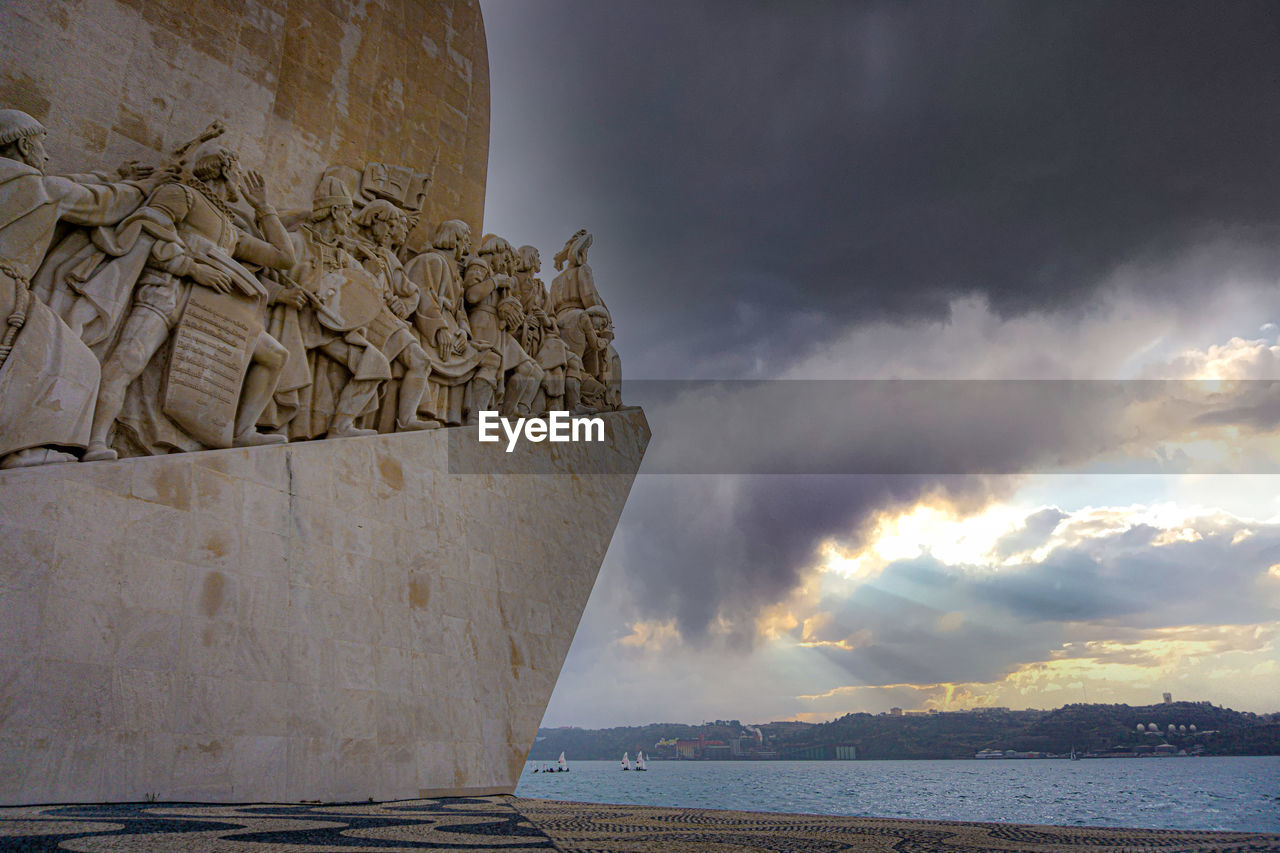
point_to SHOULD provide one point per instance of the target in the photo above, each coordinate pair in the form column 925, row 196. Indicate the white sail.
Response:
column 564, row 765
column 640, row 761
column 626, row 761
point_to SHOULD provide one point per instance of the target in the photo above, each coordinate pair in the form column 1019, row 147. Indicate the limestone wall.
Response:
column 332, row 620
column 301, row 85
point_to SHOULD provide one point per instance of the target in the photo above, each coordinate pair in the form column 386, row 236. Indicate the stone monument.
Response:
column 239, row 559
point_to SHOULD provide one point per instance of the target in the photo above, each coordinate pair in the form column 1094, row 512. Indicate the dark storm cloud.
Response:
column 763, row 175
column 1067, row 586
column 932, row 427
column 712, row 552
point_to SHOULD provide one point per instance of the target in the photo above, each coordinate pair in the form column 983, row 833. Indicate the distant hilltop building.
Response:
column 1168, row 698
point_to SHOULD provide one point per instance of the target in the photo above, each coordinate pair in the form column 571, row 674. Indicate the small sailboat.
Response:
column 640, row 761
column 562, row 766
column 626, row 761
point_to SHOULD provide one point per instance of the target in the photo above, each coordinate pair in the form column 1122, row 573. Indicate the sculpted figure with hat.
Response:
column 48, row 377
column 324, row 302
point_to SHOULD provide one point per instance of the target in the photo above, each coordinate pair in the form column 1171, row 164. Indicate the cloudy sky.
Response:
column 1060, row 222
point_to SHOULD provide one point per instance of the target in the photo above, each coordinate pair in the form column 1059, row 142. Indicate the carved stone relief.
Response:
column 180, row 311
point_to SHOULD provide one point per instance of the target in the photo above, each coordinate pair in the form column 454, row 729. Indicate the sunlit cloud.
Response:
column 1103, row 670
column 939, row 530
column 996, row 559
column 1003, row 535
column 857, row 640
column 651, row 636
column 1238, row 358
column 1033, row 606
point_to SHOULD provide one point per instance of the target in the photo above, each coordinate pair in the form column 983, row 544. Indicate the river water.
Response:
column 1241, row 794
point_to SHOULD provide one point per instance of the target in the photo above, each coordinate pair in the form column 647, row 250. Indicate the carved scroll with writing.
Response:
column 207, row 365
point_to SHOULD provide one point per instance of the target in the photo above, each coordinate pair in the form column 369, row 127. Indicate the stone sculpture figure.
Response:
column 561, row 381
column 88, row 278
column 383, row 228
column 533, row 298
column 602, row 369
column 540, row 334
column 327, row 298
column 389, row 329
column 441, row 323
column 179, row 322
column 48, row 377
column 585, row 322
column 224, row 366
column 574, row 289
column 496, row 316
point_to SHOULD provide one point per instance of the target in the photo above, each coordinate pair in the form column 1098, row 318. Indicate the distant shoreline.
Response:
column 1088, row 730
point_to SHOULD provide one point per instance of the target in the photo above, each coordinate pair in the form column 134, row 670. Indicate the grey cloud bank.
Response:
column 880, row 190
column 764, row 175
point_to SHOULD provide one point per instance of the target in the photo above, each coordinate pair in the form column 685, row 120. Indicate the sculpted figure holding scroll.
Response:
column 48, row 377
column 224, row 366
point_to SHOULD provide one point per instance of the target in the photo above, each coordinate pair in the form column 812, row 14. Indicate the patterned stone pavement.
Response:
column 462, row 823
column 583, row 827
column 513, row 824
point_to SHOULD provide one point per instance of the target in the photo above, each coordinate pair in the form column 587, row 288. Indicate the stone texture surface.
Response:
column 316, row 621
column 303, row 84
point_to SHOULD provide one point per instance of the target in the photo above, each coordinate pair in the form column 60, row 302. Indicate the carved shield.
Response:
column 347, row 299
column 211, row 349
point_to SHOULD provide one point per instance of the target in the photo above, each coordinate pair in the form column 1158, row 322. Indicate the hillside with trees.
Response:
column 1199, row 727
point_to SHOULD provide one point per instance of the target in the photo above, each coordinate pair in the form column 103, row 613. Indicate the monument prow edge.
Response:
column 308, row 582
column 336, row 620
